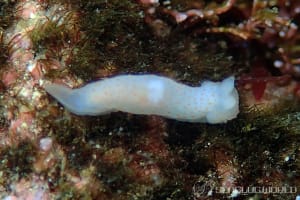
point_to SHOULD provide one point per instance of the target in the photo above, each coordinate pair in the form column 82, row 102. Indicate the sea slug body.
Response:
column 212, row 102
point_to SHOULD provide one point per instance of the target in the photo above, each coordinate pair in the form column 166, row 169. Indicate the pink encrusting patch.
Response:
column 27, row 9
column 148, row 1
column 21, row 41
column 21, row 125
column 32, row 188
column 9, row 77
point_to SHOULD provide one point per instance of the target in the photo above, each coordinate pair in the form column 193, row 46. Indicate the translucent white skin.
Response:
column 212, row 102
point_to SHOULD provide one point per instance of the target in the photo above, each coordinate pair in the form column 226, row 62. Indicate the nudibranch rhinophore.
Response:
column 212, row 102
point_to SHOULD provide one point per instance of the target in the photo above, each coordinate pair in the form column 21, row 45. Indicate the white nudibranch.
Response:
column 212, row 102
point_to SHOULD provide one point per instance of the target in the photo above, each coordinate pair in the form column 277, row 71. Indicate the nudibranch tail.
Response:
column 68, row 97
